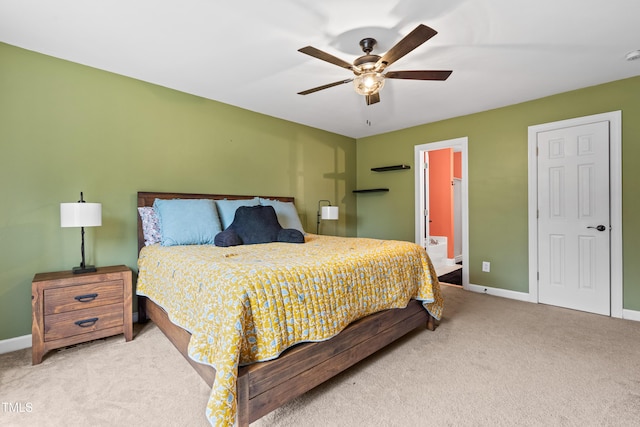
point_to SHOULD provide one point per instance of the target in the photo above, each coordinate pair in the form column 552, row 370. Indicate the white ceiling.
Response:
column 244, row 52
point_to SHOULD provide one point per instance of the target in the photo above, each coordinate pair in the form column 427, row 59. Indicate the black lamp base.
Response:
column 85, row 269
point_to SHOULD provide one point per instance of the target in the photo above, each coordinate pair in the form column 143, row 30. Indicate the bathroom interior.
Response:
column 445, row 219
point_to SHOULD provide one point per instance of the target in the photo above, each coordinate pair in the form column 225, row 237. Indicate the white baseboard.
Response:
column 15, row 344
column 20, row 343
column 631, row 315
column 521, row 296
column 504, row 293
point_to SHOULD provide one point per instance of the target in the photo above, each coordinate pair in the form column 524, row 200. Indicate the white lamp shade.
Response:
column 80, row 214
column 329, row 212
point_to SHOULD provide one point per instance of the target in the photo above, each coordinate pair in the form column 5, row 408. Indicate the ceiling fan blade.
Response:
column 419, row 75
column 327, row 86
column 372, row 99
column 415, row 38
column 317, row 53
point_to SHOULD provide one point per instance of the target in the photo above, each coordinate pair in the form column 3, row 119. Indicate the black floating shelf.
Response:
column 391, row 168
column 371, row 190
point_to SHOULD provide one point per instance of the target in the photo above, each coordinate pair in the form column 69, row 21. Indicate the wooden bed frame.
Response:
column 265, row 386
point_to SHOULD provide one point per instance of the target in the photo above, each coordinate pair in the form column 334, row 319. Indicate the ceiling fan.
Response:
column 369, row 68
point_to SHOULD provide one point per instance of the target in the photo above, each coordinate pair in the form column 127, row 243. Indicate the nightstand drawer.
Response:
column 80, row 297
column 63, row 325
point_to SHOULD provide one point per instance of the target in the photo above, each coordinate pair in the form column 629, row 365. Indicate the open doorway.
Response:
column 441, row 204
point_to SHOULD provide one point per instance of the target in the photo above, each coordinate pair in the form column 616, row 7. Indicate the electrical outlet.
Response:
column 486, row 266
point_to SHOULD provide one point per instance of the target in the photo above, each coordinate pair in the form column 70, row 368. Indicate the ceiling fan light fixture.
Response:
column 368, row 68
column 633, row 55
column 368, row 83
column 366, row 63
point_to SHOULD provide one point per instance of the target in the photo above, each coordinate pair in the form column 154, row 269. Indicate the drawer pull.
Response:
column 86, row 323
column 86, row 298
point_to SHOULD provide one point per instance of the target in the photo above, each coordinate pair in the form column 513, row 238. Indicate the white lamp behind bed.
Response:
column 326, row 213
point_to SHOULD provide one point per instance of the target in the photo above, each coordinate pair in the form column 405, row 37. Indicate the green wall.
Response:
column 498, row 173
column 66, row 128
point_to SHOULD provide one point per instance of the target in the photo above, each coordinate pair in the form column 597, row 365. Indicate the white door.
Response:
column 425, row 201
column 574, row 218
column 457, row 219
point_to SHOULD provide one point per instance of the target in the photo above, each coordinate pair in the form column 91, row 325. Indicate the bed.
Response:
column 250, row 287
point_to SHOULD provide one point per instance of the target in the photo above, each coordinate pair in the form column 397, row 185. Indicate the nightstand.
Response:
column 72, row 308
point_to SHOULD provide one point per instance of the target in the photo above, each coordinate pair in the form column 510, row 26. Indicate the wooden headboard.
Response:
column 146, row 198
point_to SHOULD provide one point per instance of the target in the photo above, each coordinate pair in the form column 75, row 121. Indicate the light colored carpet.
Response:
column 492, row 362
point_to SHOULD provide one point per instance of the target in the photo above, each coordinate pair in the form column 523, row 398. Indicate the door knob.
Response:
column 599, row 227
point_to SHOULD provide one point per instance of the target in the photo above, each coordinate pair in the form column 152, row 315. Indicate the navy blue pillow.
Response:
column 256, row 224
column 227, row 238
column 290, row 235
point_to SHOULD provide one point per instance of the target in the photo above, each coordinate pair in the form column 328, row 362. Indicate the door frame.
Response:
column 615, row 184
column 457, row 144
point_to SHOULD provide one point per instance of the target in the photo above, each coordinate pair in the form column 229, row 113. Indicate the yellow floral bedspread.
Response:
column 245, row 304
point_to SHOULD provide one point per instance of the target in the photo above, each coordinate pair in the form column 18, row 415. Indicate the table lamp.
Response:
column 81, row 214
column 326, row 212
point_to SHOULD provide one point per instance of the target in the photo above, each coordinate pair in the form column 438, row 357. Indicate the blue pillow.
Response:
column 187, row 221
column 286, row 212
column 227, row 209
